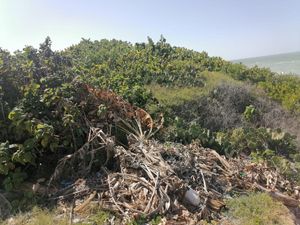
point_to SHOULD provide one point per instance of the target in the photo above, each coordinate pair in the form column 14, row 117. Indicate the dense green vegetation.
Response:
column 219, row 104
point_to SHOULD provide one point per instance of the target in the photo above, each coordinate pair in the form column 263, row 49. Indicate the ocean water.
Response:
column 283, row 63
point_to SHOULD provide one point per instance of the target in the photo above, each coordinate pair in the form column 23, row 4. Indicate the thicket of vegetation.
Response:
column 214, row 102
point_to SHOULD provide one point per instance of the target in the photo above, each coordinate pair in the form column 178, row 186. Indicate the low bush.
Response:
column 220, row 110
column 284, row 89
column 248, row 140
column 229, row 106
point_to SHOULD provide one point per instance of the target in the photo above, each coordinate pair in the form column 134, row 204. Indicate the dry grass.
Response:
column 258, row 209
column 92, row 215
column 36, row 217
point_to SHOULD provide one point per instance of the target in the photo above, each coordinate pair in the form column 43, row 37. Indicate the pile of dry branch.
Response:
column 185, row 184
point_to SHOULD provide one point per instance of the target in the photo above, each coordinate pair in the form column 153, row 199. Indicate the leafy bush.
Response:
column 165, row 65
column 284, row 89
column 249, row 113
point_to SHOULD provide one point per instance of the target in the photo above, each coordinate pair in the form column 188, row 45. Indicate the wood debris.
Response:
column 153, row 178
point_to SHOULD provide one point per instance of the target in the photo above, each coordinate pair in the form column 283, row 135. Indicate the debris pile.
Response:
column 185, row 184
column 249, row 175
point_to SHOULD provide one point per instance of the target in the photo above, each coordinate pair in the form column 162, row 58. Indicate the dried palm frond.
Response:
column 136, row 131
column 84, row 157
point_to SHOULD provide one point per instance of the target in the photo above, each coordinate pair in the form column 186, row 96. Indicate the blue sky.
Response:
column 229, row 28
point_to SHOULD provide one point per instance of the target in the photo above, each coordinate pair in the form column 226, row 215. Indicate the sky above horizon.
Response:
column 231, row 29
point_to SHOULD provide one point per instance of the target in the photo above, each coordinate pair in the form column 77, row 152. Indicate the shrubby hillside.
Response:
column 233, row 109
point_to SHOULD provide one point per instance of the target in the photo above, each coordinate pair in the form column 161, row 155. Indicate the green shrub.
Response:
column 285, row 89
column 249, row 140
column 249, row 113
